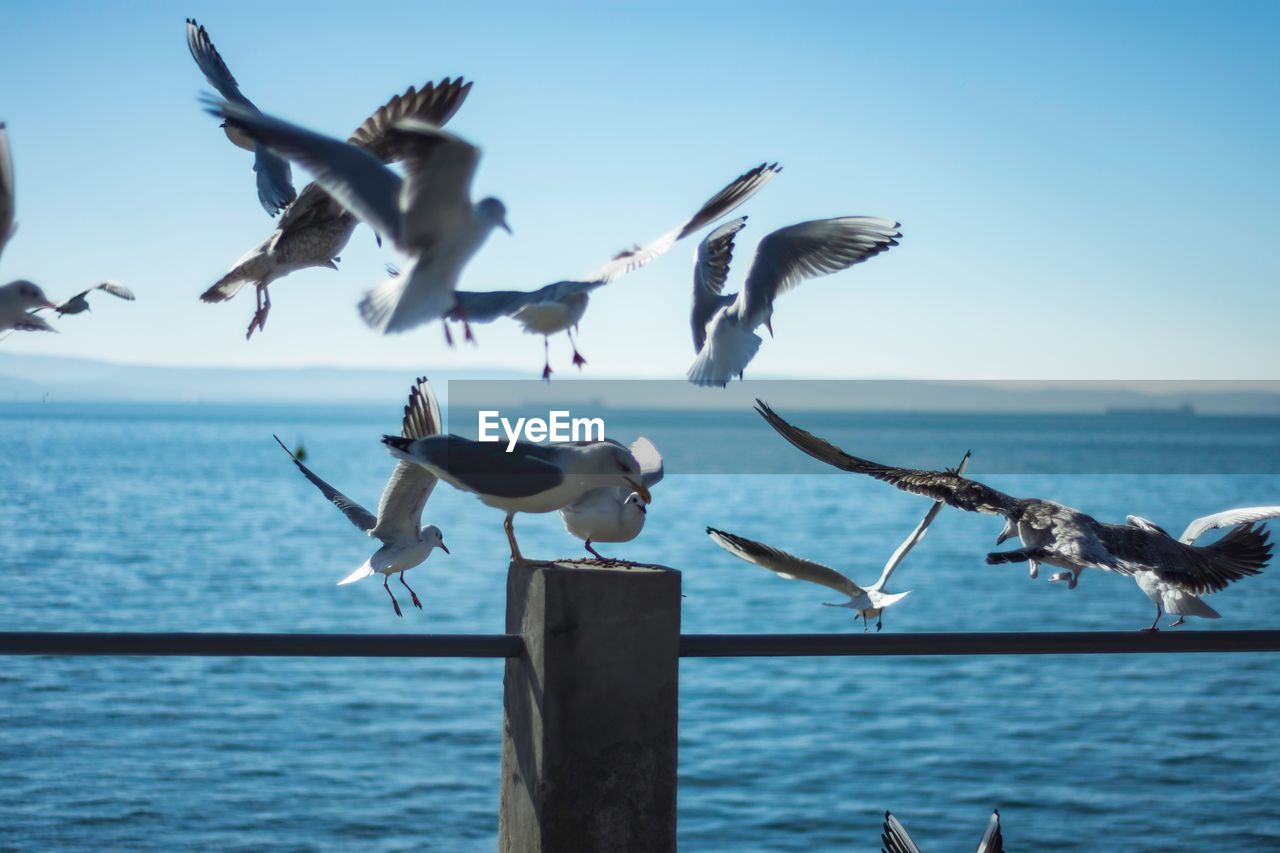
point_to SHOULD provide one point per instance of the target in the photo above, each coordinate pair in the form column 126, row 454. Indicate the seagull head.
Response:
column 493, row 212
column 613, row 462
column 634, row 500
column 433, row 537
column 27, row 295
column 1010, row 531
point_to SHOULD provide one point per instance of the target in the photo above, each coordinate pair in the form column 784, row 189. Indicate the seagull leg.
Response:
column 416, row 602
column 1033, row 569
column 259, row 320
column 879, row 621
column 594, row 552
column 507, row 525
column 448, row 336
column 546, row 358
column 394, row 603
column 578, row 360
column 466, row 332
column 1180, row 620
column 1155, row 626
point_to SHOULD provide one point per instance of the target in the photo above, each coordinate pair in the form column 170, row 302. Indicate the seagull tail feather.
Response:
column 364, row 571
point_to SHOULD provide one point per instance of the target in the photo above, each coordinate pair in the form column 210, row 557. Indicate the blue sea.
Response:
column 190, row 518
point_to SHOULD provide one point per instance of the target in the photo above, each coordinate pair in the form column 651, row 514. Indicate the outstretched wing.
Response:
column 738, row 191
column 895, row 838
column 1227, row 518
column 783, row 564
column 410, row 485
column 355, row 179
column 790, row 255
column 1197, row 569
column 651, row 467
column 356, row 514
column 275, row 180
column 436, row 194
column 710, row 271
column 993, row 839
column 946, row 486
column 434, row 103
column 6, row 189
column 916, row 535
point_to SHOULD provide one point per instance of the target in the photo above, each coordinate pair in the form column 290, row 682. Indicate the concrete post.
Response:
column 590, row 717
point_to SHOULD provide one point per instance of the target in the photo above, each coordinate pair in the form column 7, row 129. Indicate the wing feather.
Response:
column 1227, row 518
column 710, row 271
column 895, row 838
column 434, row 103
column 785, row 565
column 356, row 514
column 916, row 535
column 6, row 189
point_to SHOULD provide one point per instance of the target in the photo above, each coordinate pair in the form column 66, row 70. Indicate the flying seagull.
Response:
column 895, row 838
column 558, row 307
column 79, row 303
column 314, row 229
column 868, row 602
column 724, row 325
column 1169, row 598
column 615, row 513
column 428, row 214
column 275, row 181
column 530, row 478
column 1055, row 534
column 404, row 544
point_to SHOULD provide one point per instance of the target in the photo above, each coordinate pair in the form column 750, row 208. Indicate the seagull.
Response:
column 896, row 840
column 404, row 544
column 275, row 180
column 314, row 229
column 530, row 478
column 79, row 303
column 724, row 326
column 868, row 602
column 1055, row 534
column 614, row 514
column 558, row 307
column 1167, row 597
column 428, row 214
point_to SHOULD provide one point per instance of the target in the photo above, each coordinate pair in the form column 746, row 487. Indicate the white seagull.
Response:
column 314, row 229
column 404, row 544
column 895, row 838
column 1170, row 598
column 614, row 513
column 868, row 602
column 275, row 180
column 724, row 325
column 558, row 307
column 427, row 214
column 530, row 478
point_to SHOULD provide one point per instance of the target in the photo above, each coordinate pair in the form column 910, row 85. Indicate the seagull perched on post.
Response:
column 615, row 513
column 1058, row 535
column 275, row 180
column 866, row 602
column 558, row 307
column 896, row 839
column 404, row 544
column 1170, row 598
column 724, row 325
column 527, row 478
column 428, row 214
column 315, row 228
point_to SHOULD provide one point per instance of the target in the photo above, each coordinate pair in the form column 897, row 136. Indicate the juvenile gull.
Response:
column 404, row 544
column 895, row 838
column 724, row 337
column 314, row 229
column 868, row 602
column 275, row 180
column 558, row 307
column 428, row 214
column 1169, row 598
column 614, row 513
column 1055, row 534
column 531, row 478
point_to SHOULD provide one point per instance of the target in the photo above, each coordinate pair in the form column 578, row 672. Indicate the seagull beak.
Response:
column 504, row 226
column 53, row 305
column 445, row 548
column 640, row 489
column 1003, row 537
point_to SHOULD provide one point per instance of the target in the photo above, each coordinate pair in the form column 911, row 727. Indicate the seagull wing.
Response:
column 650, row 460
column 356, row 514
column 1197, row 569
column 710, row 271
column 433, row 103
column 6, row 189
column 894, row 838
column 784, row 564
column 483, row 467
column 739, row 190
column 790, row 255
column 275, row 180
column 947, row 486
column 114, row 288
column 1227, row 518
column 916, row 535
column 355, row 179
column 436, row 194
column 487, row 306
column 410, row 485
column 993, row 839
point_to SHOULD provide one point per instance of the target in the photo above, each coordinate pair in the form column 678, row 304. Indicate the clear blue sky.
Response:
column 1087, row 190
